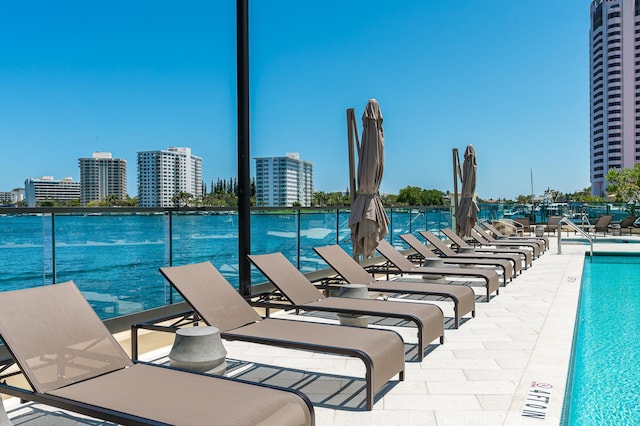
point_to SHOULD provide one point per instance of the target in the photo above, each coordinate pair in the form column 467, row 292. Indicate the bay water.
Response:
column 114, row 258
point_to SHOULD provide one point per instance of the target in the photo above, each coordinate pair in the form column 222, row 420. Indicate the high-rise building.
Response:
column 614, row 40
column 166, row 173
column 47, row 189
column 283, row 181
column 101, row 176
column 12, row 197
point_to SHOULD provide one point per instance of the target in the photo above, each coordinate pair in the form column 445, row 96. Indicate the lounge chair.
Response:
column 525, row 255
column 505, row 267
column 72, row 362
column 352, row 272
column 444, row 250
column 543, row 241
column 219, row 304
column 483, row 237
column 526, row 224
column 602, row 225
column 552, row 224
column 403, row 265
column 626, row 223
column 509, row 227
column 302, row 294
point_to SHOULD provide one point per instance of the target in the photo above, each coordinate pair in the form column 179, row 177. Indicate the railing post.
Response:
column 559, row 232
column 391, row 225
column 338, row 225
column 53, row 246
column 299, row 214
column 170, row 253
column 410, row 221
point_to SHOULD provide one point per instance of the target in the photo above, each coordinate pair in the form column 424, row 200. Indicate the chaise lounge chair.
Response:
column 525, row 255
column 626, row 223
column 483, row 237
column 404, row 266
column 503, row 266
column 447, row 252
column 552, row 224
column 602, row 225
column 542, row 241
column 72, row 362
column 525, row 223
column 302, row 294
column 219, row 304
column 352, row 272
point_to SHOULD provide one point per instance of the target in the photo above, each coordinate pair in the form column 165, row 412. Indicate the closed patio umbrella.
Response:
column 467, row 213
column 368, row 220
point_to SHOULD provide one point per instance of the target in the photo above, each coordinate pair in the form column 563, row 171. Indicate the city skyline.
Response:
column 509, row 77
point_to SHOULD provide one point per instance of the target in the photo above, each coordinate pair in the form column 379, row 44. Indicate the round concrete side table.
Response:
column 433, row 262
column 356, row 291
column 199, row 349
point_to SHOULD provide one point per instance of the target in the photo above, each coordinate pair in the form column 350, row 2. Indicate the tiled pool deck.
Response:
column 480, row 376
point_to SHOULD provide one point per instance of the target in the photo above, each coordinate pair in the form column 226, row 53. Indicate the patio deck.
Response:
column 480, row 376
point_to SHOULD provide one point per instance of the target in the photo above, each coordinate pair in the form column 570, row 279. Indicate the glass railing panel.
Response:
column 344, row 232
column 274, row 231
column 201, row 236
column 25, row 261
column 418, row 221
column 113, row 259
column 318, row 228
column 399, row 223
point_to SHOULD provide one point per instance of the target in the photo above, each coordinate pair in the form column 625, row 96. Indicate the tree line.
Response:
column 624, row 186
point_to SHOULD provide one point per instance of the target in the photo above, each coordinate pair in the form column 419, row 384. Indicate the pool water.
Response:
column 604, row 380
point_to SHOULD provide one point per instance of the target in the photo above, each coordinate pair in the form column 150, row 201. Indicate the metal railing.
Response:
column 113, row 254
column 566, row 221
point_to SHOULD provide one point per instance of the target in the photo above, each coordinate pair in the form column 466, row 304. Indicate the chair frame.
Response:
column 88, row 340
column 237, row 333
column 395, row 259
column 264, row 263
column 339, row 261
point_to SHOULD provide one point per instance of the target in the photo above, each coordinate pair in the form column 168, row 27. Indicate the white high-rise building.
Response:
column 166, row 173
column 101, row 176
column 12, row 197
column 47, row 189
column 283, row 181
column 614, row 39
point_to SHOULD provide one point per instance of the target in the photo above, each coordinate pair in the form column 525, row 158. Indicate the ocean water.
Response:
column 605, row 371
column 114, row 258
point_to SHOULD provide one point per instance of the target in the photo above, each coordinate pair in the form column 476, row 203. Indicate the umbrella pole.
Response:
column 351, row 118
column 456, row 161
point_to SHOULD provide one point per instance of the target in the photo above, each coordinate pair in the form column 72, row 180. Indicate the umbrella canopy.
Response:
column 368, row 220
column 467, row 213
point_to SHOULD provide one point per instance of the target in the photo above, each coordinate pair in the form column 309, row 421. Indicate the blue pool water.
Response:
column 604, row 381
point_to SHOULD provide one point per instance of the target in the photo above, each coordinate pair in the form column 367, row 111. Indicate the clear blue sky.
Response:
column 510, row 77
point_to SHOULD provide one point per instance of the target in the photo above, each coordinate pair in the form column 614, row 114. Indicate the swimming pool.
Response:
column 604, row 375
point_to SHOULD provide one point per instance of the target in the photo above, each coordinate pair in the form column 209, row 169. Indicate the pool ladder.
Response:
column 567, row 221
